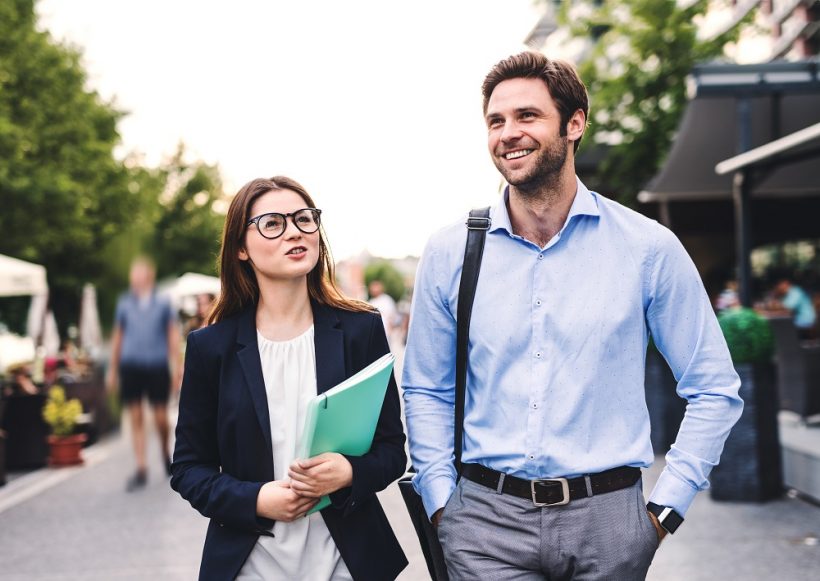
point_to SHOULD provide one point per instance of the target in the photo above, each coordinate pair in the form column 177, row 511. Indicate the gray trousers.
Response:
column 494, row 536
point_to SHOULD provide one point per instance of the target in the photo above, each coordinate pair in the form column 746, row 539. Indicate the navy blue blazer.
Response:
column 223, row 452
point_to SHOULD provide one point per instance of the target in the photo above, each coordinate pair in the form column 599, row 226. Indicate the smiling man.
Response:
column 556, row 429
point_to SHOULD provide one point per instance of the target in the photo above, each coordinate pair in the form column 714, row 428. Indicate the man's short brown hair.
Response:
column 565, row 86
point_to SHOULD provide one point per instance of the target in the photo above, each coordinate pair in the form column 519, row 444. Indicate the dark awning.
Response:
column 709, row 134
column 736, row 109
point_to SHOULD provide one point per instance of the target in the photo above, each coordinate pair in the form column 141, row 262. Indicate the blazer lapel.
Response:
column 328, row 340
column 252, row 369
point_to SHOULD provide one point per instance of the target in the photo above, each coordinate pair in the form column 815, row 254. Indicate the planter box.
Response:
column 666, row 407
column 92, row 395
column 750, row 467
column 2, row 444
column 26, row 432
column 2, row 459
column 798, row 369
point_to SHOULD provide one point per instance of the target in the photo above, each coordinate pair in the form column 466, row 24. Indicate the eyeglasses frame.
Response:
column 290, row 215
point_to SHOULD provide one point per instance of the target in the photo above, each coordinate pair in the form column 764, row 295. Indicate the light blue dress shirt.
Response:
column 558, row 337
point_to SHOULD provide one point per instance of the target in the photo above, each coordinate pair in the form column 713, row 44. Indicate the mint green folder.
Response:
column 343, row 419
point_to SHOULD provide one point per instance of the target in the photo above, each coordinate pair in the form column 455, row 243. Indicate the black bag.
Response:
column 477, row 226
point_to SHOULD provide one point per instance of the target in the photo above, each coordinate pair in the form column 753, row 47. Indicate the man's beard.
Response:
column 545, row 173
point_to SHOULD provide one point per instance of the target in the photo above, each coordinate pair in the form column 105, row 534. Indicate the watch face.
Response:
column 667, row 517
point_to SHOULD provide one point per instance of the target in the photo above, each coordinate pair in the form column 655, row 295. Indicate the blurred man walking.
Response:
column 145, row 349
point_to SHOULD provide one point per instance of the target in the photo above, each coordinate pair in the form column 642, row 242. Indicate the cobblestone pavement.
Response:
column 79, row 523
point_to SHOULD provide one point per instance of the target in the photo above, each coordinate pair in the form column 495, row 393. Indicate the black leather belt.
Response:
column 553, row 491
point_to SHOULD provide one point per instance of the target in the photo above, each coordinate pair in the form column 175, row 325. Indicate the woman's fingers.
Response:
column 299, row 508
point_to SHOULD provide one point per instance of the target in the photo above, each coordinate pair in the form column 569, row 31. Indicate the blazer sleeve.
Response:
column 386, row 461
column 196, row 469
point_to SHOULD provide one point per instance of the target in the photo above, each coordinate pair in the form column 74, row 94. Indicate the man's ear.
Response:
column 576, row 125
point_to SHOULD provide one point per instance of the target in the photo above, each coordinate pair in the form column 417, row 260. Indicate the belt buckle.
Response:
column 564, row 490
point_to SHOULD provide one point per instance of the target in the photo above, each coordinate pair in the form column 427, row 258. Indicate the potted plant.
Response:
column 62, row 415
column 750, row 466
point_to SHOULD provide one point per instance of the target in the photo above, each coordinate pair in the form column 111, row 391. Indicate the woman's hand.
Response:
column 320, row 475
column 278, row 501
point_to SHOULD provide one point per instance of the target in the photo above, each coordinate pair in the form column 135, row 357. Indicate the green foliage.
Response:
column 63, row 194
column 635, row 74
column 61, row 413
column 748, row 335
column 186, row 235
column 67, row 202
column 390, row 277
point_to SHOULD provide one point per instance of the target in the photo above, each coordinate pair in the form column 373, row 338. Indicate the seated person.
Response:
column 796, row 300
column 20, row 383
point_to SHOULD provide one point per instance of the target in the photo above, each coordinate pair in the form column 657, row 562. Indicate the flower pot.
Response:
column 750, row 466
column 65, row 450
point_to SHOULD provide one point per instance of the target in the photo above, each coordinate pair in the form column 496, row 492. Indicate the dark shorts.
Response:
column 137, row 381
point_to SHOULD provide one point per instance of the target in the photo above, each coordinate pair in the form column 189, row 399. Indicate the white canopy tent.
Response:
column 90, row 330
column 183, row 290
column 21, row 278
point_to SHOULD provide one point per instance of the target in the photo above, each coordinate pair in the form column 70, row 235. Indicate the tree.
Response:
column 67, row 202
column 177, row 222
column 63, row 194
column 187, row 233
column 636, row 73
column 389, row 276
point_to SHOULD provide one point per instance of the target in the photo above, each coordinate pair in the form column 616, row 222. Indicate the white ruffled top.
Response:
column 302, row 549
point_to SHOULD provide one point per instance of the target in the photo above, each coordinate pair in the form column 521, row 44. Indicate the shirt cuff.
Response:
column 673, row 492
column 435, row 493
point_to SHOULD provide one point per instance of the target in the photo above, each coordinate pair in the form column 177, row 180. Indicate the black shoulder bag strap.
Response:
column 477, row 225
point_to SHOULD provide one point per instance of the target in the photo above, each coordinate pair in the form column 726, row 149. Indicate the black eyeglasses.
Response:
column 273, row 224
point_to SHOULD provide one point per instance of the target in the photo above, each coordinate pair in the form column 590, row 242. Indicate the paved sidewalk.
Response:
column 80, row 524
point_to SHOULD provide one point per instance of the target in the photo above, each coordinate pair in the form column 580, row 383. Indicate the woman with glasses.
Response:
column 279, row 333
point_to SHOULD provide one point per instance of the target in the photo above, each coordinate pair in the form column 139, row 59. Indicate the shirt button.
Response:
column 535, row 406
column 540, row 257
column 532, row 457
column 537, row 303
column 538, row 355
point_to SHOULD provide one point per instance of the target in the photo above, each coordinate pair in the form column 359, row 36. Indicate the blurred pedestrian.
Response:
column 204, row 304
column 571, row 286
column 145, row 358
column 385, row 304
column 280, row 332
column 793, row 298
column 728, row 297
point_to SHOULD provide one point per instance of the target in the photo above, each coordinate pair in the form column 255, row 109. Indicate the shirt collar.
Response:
column 584, row 204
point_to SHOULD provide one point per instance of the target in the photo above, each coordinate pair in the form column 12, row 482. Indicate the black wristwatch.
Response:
column 669, row 519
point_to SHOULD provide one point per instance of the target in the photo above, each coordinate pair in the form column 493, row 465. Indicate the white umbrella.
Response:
column 51, row 337
column 90, row 330
column 42, row 326
column 190, row 284
column 37, row 311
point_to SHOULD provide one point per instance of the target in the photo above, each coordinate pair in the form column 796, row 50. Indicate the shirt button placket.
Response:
column 538, row 358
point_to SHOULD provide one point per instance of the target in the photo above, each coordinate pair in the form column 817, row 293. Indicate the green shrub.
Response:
column 748, row 335
column 61, row 414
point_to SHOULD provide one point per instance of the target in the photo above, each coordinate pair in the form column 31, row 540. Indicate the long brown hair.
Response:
column 239, row 286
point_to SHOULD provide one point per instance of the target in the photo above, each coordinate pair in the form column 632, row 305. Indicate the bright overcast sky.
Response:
column 375, row 106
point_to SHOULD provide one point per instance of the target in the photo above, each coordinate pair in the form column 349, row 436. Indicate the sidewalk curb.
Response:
column 26, row 487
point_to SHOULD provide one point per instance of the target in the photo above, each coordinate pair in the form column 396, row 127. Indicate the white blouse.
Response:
column 302, row 549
